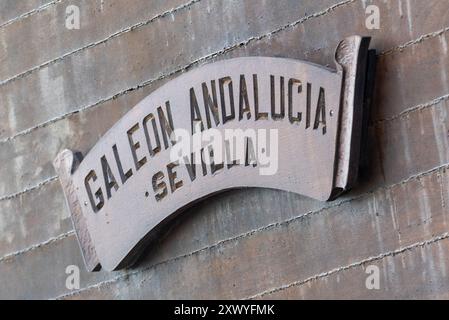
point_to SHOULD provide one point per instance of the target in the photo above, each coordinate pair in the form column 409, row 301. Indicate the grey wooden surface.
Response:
column 63, row 89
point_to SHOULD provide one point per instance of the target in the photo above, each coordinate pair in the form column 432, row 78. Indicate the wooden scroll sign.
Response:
column 130, row 185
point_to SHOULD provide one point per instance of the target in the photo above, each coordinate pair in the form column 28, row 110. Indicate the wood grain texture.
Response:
column 256, row 243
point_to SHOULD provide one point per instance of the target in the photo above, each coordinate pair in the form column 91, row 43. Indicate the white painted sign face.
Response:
column 245, row 122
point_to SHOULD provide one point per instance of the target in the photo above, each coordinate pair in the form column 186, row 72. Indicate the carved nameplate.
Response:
column 249, row 122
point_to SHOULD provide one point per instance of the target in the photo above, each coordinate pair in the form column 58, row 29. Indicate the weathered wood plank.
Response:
column 47, row 37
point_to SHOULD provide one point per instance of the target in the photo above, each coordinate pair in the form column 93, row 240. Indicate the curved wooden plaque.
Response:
column 128, row 186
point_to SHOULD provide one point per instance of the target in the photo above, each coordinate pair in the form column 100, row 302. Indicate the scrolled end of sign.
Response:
column 351, row 58
column 128, row 188
column 65, row 165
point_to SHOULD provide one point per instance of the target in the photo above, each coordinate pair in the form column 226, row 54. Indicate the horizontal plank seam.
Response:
column 252, row 232
column 350, row 266
column 96, row 43
column 176, row 71
column 33, row 247
column 29, row 189
column 402, row 114
column 415, row 41
column 30, row 13
column 416, row 108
